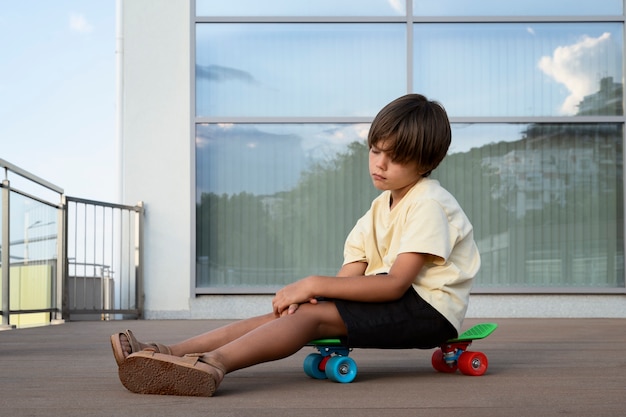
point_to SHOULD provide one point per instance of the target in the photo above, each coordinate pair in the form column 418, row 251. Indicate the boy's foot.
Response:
column 148, row 372
column 125, row 344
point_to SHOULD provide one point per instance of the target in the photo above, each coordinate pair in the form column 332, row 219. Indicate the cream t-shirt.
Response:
column 427, row 220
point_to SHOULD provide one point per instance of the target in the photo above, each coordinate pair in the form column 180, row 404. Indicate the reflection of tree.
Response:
column 320, row 211
column 235, row 232
column 289, row 234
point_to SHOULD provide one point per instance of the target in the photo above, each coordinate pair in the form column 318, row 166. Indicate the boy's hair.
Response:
column 417, row 129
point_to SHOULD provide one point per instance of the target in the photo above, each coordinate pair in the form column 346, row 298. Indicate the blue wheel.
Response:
column 341, row 369
column 312, row 366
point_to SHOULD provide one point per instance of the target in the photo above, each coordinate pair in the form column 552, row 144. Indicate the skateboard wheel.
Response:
column 341, row 369
column 439, row 363
column 473, row 363
column 312, row 366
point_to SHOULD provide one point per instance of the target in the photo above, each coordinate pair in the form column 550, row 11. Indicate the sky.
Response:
column 57, row 93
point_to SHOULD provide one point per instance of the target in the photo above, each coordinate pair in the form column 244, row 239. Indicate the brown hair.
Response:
column 417, row 130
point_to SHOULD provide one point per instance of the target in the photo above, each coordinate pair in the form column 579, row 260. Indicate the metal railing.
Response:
column 65, row 258
column 105, row 265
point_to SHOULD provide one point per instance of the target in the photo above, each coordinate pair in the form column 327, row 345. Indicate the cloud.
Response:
column 570, row 65
column 79, row 24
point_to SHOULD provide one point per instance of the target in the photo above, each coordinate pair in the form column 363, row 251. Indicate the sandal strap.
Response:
column 160, row 348
column 132, row 340
column 201, row 357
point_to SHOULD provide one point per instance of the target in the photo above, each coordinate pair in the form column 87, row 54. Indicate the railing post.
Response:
column 6, row 259
column 139, row 258
column 61, row 277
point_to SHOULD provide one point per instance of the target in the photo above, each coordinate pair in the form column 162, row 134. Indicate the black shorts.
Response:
column 409, row 322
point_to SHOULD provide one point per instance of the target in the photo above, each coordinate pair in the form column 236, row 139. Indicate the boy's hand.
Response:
column 294, row 307
column 288, row 299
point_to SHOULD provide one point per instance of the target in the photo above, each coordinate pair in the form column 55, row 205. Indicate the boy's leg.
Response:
column 154, row 373
column 216, row 338
column 279, row 338
column 205, row 342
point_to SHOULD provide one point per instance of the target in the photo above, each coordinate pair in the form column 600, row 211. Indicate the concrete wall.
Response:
column 155, row 148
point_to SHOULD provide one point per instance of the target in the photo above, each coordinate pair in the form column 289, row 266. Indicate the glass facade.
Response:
column 284, row 95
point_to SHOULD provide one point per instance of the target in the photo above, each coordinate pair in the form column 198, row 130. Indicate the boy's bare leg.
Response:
column 210, row 340
column 279, row 338
column 216, row 338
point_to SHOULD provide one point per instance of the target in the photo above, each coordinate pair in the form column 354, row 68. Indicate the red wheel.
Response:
column 440, row 364
column 473, row 363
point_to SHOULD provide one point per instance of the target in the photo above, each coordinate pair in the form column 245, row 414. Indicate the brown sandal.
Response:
column 148, row 372
column 118, row 351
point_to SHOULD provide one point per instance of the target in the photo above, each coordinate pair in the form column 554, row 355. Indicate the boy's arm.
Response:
column 352, row 269
column 358, row 287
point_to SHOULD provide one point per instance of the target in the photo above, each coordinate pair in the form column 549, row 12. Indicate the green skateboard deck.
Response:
column 479, row 331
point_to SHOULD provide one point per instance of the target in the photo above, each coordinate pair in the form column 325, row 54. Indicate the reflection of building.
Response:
column 607, row 101
column 555, row 159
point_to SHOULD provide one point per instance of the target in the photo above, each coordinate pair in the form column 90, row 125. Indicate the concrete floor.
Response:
column 537, row 367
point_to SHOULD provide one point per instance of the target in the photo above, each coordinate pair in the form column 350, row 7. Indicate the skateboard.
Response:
column 332, row 361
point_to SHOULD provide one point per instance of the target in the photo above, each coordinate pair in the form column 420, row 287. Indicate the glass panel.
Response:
column 301, row 8
column 33, row 237
column 303, row 70
column 546, row 202
column 289, row 210
column 516, row 8
column 515, row 69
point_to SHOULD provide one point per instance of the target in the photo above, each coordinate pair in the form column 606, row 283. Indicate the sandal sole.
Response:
column 154, row 373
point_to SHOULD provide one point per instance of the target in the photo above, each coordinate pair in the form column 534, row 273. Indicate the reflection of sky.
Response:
column 301, row 8
column 516, row 8
column 497, row 69
column 344, row 70
column 468, row 136
column 266, row 159
column 398, row 7
column 298, row 70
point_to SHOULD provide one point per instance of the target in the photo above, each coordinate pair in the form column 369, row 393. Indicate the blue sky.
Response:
column 57, row 93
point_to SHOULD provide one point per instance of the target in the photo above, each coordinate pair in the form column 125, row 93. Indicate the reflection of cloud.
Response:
column 327, row 143
column 569, row 65
column 397, row 5
column 79, row 24
column 220, row 74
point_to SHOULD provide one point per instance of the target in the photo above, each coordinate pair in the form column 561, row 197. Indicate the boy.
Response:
column 405, row 282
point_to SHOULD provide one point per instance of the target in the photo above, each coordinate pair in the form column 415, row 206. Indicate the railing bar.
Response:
column 113, row 249
column 102, row 273
column 39, row 200
column 103, row 203
column 85, row 256
column 94, row 289
column 25, row 174
column 121, row 230
column 129, row 257
column 75, row 251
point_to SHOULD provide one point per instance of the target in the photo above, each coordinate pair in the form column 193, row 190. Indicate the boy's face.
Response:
column 389, row 175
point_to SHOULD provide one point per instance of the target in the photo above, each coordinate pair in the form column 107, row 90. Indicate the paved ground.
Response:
column 537, row 367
